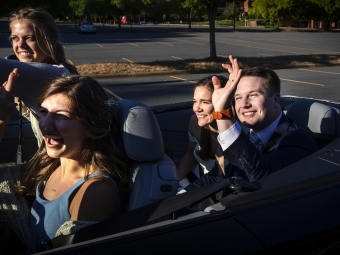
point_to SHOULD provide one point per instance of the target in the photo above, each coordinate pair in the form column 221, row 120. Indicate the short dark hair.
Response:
column 271, row 82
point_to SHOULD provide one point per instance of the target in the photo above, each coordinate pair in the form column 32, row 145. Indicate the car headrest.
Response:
column 320, row 119
column 140, row 131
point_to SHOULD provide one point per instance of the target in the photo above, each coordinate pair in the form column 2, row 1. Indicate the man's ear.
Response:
column 277, row 101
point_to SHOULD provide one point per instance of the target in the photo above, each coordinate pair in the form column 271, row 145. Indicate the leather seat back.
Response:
column 321, row 120
column 152, row 173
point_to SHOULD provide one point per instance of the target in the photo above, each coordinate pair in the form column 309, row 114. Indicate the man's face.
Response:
column 254, row 105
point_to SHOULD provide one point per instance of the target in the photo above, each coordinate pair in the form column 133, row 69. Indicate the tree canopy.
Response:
column 276, row 10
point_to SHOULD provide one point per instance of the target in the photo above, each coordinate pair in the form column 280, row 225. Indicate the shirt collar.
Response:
column 266, row 133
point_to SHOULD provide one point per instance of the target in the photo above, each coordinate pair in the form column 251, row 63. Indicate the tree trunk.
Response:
column 212, row 12
column 119, row 21
column 189, row 19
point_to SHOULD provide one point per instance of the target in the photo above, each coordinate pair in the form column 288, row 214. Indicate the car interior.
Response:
column 156, row 139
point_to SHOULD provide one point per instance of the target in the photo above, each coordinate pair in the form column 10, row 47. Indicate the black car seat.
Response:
column 321, row 120
column 152, row 173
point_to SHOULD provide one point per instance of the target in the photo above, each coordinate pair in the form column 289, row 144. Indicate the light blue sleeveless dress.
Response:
column 48, row 215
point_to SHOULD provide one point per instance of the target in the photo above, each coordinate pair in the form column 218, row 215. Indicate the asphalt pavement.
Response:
column 147, row 43
column 316, row 82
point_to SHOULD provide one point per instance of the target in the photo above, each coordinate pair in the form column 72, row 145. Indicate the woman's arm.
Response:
column 33, row 77
column 6, row 101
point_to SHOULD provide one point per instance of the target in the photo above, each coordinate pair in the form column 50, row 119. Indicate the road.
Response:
column 321, row 82
column 149, row 43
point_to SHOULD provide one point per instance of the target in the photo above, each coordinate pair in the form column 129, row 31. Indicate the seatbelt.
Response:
column 19, row 150
column 139, row 217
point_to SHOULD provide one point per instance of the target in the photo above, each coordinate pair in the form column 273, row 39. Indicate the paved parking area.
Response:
column 145, row 43
column 320, row 82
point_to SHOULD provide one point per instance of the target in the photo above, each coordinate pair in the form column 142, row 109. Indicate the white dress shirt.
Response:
column 229, row 136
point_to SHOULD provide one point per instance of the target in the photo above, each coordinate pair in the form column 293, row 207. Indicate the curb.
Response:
column 201, row 71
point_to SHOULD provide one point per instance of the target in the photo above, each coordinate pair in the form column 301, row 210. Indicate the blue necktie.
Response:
column 255, row 140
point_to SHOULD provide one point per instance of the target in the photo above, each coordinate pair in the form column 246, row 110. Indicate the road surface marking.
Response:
column 317, row 71
column 253, row 47
column 315, row 84
column 222, row 56
column 128, row 60
column 165, row 43
column 239, row 42
column 186, row 41
column 177, row 57
column 95, row 43
column 113, row 94
column 133, row 44
column 182, row 79
column 264, row 54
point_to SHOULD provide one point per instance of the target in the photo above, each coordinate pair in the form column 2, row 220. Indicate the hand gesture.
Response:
column 6, row 100
column 223, row 97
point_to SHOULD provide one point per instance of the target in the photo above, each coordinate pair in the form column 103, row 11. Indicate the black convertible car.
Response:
column 293, row 211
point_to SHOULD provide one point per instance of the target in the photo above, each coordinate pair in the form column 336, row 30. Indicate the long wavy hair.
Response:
column 103, row 149
column 205, row 134
column 43, row 24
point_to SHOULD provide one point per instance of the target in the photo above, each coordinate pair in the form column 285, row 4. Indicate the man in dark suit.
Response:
column 272, row 140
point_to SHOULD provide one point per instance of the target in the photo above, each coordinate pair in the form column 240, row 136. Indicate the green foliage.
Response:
column 58, row 9
column 274, row 10
column 231, row 11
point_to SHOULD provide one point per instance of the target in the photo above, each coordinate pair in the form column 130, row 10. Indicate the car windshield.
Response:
column 87, row 23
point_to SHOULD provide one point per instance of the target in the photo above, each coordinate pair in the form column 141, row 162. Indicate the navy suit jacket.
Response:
column 287, row 145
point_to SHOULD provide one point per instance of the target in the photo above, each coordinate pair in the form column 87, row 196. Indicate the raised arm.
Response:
column 6, row 101
column 33, row 77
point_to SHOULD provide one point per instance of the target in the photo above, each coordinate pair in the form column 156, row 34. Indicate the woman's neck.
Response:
column 72, row 168
column 213, row 127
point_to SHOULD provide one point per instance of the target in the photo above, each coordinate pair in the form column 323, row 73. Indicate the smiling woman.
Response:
column 35, row 39
column 78, row 177
column 200, row 157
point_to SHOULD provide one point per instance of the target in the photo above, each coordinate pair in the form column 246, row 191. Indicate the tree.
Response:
column 124, row 7
column 329, row 10
column 193, row 8
column 210, row 7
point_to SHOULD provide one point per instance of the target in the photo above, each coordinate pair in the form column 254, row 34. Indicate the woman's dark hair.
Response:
column 205, row 134
column 103, row 150
column 43, row 24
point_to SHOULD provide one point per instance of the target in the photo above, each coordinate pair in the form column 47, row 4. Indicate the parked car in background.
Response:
column 87, row 27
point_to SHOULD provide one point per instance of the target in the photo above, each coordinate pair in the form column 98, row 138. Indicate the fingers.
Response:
column 228, row 67
column 234, row 65
column 13, row 76
column 216, row 82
